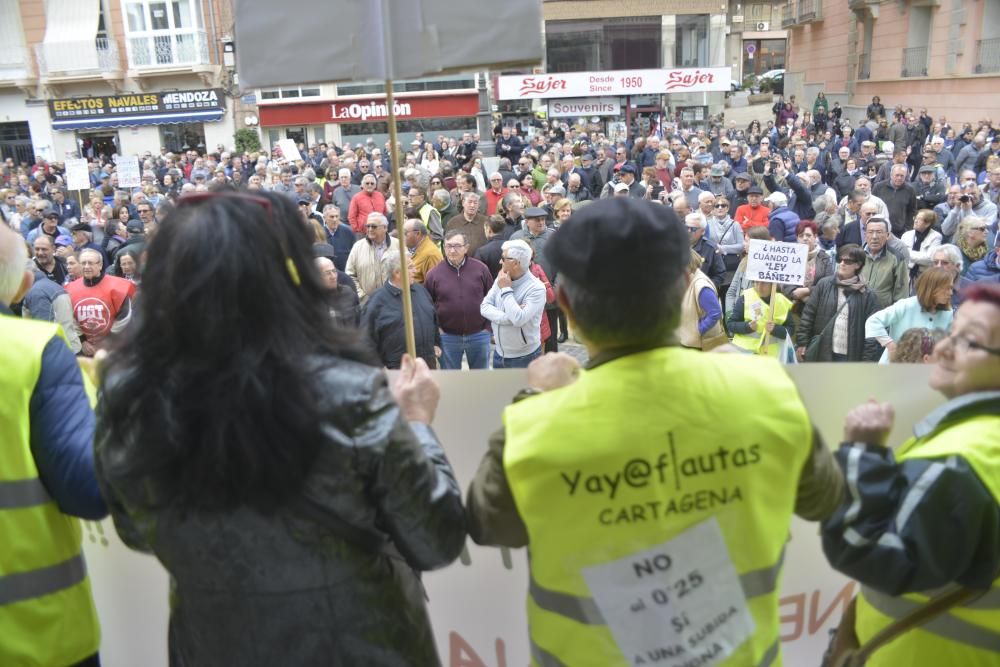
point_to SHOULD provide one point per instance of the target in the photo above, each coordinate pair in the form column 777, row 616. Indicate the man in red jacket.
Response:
column 101, row 304
column 368, row 201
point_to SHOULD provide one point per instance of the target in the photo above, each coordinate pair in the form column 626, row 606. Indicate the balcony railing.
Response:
column 177, row 48
column 865, row 66
column 78, row 57
column 15, row 62
column 810, row 10
column 789, row 15
column 989, row 56
column 915, row 61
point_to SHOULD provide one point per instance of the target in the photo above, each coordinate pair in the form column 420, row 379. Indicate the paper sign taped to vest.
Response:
column 675, row 602
column 777, row 262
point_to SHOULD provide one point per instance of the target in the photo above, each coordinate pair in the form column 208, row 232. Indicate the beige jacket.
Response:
column 366, row 269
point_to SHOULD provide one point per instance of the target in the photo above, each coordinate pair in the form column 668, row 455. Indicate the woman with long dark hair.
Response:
column 246, row 441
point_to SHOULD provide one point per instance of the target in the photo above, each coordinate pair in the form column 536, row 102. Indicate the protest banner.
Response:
column 477, row 604
column 77, row 176
column 289, row 151
column 129, row 172
column 777, row 262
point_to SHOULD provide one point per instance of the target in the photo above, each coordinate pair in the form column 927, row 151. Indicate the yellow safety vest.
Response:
column 968, row 635
column 47, row 615
column 655, row 422
column 754, row 341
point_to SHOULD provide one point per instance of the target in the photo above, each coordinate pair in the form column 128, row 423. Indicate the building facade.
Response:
column 354, row 112
column 939, row 55
column 81, row 77
column 598, row 37
column 757, row 42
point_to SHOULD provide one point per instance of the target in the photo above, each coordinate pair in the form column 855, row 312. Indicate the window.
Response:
column 179, row 137
column 165, row 33
column 288, row 93
column 421, row 85
column 915, row 55
column 598, row 45
column 692, row 41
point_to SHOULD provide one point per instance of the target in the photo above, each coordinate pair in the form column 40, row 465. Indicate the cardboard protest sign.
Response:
column 289, row 150
column 129, row 173
column 777, row 262
column 77, row 176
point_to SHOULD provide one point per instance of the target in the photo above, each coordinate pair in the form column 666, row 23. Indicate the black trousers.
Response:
column 552, row 345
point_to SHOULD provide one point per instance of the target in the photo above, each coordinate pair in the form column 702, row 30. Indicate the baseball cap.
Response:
column 629, row 168
column 52, row 214
column 557, row 189
column 63, row 240
column 621, row 187
column 135, row 227
column 82, row 227
column 777, row 198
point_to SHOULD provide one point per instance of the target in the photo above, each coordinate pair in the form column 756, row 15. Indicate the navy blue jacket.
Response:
column 342, row 241
column 62, row 433
column 782, row 224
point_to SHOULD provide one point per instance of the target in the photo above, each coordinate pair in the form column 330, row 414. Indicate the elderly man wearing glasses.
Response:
column 367, row 263
column 922, row 521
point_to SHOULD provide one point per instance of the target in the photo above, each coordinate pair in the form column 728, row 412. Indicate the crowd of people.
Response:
column 878, row 205
column 239, row 301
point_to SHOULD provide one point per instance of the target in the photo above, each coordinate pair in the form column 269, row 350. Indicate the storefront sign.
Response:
column 108, row 107
column 601, row 106
column 369, row 110
column 618, row 82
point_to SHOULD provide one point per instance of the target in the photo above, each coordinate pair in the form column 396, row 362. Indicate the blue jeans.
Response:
column 475, row 347
column 515, row 362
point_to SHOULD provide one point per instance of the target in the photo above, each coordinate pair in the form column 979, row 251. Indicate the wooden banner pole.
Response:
column 770, row 318
column 400, row 218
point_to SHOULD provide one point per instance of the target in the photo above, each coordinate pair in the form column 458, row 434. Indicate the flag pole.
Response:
column 400, row 218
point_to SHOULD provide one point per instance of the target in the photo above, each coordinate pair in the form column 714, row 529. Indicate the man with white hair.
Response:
column 366, row 265
column 900, row 198
column 344, row 192
column 781, row 221
column 864, row 186
column 515, row 306
column 46, row 478
column 712, row 264
column 495, row 192
column 102, row 304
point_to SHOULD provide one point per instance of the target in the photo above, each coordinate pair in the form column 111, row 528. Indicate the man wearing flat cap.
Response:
column 628, row 175
column 642, row 500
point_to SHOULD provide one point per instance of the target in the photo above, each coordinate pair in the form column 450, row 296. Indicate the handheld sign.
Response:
column 77, row 176
column 129, row 173
column 289, row 150
column 777, row 262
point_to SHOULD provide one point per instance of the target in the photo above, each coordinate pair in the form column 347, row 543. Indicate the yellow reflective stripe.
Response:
column 584, row 610
column 946, row 625
column 21, row 493
column 43, row 581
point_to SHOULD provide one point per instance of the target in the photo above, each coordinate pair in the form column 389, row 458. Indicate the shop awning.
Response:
column 138, row 119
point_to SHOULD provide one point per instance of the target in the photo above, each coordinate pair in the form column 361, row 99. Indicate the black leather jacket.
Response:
column 329, row 579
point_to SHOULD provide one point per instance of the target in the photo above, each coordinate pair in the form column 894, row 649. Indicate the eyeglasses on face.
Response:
column 454, row 246
column 373, row 226
column 693, row 229
column 722, row 206
column 845, row 260
column 963, row 344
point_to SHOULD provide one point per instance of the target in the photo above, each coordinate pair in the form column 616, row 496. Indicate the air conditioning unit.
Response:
column 763, row 26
